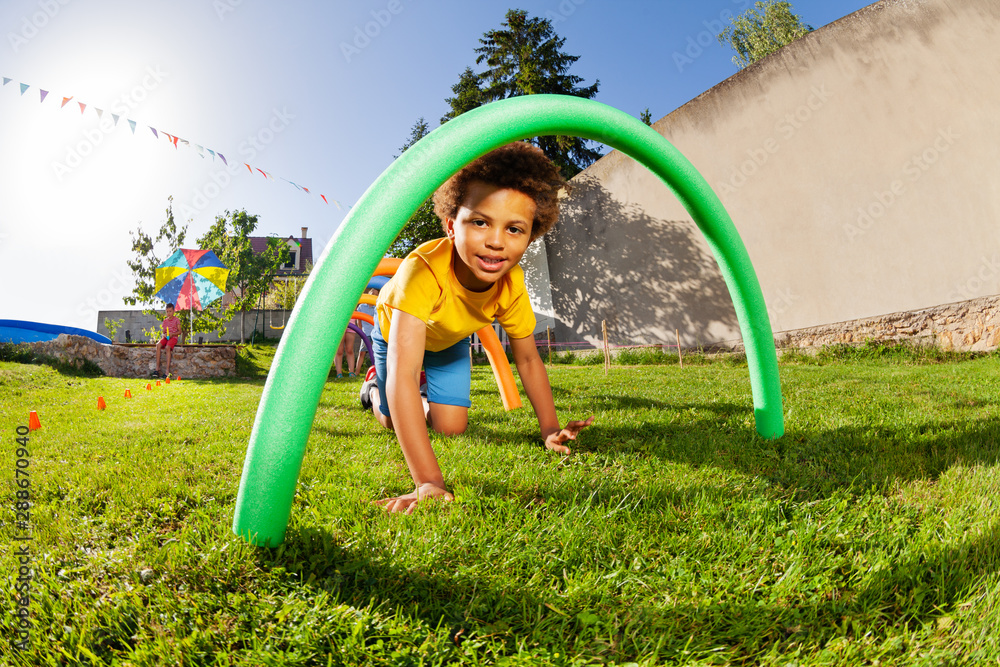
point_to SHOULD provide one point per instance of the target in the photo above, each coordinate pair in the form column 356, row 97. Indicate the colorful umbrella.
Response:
column 191, row 279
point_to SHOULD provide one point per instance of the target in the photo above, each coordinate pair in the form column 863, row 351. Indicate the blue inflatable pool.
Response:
column 21, row 331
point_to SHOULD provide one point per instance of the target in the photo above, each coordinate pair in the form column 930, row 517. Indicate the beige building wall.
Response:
column 860, row 164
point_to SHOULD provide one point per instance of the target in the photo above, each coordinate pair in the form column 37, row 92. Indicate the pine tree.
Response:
column 423, row 225
column 525, row 57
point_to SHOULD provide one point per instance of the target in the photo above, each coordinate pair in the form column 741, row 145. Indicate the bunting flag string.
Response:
column 173, row 139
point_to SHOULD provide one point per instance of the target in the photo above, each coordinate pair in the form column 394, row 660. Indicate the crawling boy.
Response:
column 449, row 288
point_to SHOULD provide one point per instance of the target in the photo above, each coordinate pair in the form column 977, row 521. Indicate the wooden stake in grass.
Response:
column 548, row 336
column 680, row 358
column 607, row 354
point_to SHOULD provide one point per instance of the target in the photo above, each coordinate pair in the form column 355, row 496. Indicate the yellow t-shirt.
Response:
column 426, row 287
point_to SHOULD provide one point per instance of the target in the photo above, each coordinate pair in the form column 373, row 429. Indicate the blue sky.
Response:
column 319, row 93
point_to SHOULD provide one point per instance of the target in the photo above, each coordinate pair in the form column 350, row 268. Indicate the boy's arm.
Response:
column 405, row 356
column 536, row 384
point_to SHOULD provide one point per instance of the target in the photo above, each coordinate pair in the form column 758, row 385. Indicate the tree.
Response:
column 525, row 57
column 646, row 117
column 423, row 225
column 250, row 274
column 148, row 253
column 468, row 95
column 762, row 30
column 285, row 290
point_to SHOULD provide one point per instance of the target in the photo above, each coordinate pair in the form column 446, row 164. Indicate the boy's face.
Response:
column 491, row 232
column 169, row 312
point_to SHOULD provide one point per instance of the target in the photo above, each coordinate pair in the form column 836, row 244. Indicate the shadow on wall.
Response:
column 644, row 276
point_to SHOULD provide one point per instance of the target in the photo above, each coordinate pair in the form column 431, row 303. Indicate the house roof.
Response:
column 259, row 245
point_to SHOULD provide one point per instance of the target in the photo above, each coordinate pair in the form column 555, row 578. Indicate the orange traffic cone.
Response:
column 167, row 380
column 157, row 383
column 33, row 423
column 128, row 393
column 149, row 387
column 100, row 403
column 178, row 378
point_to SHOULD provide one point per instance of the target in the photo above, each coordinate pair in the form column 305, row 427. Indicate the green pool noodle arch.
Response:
column 303, row 358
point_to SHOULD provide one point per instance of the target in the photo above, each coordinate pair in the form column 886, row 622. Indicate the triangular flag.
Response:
column 100, row 113
column 324, row 198
column 116, row 117
column 261, row 171
column 154, row 131
column 338, row 204
column 43, row 93
column 200, row 149
column 223, row 158
column 307, row 190
column 65, row 100
column 212, row 152
column 248, row 167
column 82, row 106
column 7, row 80
column 173, row 140
column 132, row 125
column 24, row 87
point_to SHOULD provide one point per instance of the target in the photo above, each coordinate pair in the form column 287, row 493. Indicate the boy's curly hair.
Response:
column 518, row 166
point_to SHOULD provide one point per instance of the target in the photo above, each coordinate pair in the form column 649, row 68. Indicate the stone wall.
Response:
column 966, row 326
column 137, row 361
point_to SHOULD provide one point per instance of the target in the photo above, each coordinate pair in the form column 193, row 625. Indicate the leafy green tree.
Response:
column 525, row 57
column 284, row 291
column 423, row 225
column 646, row 117
column 148, row 253
column 250, row 274
column 761, row 30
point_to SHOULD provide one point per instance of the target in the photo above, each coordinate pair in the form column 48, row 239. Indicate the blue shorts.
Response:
column 449, row 373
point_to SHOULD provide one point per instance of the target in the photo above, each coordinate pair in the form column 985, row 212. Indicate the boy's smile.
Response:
column 491, row 232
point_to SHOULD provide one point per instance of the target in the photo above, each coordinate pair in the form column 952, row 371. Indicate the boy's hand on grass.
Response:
column 409, row 502
column 554, row 441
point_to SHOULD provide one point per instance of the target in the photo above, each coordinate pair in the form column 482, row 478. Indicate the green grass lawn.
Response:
column 673, row 535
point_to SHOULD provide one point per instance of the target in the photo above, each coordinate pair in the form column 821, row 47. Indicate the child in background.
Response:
column 171, row 331
column 345, row 348
column 366, row 328
column 447, row 289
